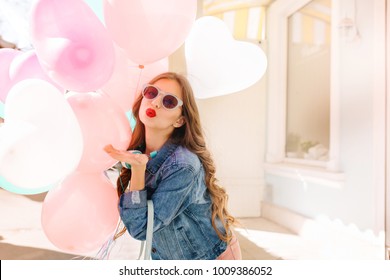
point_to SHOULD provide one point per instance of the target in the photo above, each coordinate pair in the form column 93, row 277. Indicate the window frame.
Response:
column 276, row 161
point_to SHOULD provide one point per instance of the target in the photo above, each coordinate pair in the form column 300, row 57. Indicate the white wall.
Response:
column 359, row 201
column 235, row 129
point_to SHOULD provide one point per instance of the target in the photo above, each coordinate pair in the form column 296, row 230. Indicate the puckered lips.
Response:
column 151, row 113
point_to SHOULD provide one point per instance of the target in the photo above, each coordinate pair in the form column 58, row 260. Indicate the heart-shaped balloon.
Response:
column 41, row 137
column 216, row 63
column 12, row 133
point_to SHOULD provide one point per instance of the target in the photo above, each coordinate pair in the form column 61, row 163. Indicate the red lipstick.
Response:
column 150, row 113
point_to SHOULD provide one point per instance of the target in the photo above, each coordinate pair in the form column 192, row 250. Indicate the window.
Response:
column 303, row 90
column 308, row 82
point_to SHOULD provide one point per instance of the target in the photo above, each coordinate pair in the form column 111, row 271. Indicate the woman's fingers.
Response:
column 126, row 156
column 114, row 153
column 109, row 148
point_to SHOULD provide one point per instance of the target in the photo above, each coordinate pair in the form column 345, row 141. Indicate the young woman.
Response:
column 176, row 172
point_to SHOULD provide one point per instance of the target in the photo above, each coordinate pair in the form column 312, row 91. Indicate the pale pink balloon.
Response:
column 72, row 44
column 102, row 122
column 120, row 87
column 149, row 30
column 6, row 57
column 81, row 213
column 27, row 66
column 149, row 71
column 128, row 78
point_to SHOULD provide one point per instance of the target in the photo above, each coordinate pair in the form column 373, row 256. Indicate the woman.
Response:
column 176, row 171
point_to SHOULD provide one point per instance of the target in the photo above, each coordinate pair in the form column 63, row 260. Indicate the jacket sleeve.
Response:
column 171, row 197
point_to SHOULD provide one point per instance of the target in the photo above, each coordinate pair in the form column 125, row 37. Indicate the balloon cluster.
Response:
column 68, row 98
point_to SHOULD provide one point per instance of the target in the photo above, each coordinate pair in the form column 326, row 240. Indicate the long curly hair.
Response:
column 190, row 136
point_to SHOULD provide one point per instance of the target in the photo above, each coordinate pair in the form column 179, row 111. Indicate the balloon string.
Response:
column 139, row 76
column 105, row 251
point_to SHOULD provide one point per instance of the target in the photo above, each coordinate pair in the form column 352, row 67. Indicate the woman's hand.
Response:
column 134, row 160
column 138, row 166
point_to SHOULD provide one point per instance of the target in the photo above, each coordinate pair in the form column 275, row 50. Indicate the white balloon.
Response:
column 43, row 136
column 216, row 63
column 11, row 133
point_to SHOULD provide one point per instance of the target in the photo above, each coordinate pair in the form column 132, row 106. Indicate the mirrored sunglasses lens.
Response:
column 170, row 101
column 150, row 92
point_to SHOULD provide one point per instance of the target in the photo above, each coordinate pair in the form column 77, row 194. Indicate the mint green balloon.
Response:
column 1, row 110
column 131, row 119
column 97, row 8
column 15, row 189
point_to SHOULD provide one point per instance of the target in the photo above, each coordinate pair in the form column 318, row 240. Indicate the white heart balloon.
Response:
column 11, row 133
column 42, row 135
column 216, row 63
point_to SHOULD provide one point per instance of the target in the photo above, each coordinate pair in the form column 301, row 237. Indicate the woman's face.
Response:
column 154, row 116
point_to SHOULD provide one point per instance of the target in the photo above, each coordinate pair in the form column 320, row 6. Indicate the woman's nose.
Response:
column 157, row 102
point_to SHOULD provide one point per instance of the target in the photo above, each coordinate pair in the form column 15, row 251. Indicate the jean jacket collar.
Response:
column 155, row 163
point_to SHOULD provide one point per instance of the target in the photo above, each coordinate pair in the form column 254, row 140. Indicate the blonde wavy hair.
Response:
column 190, row 135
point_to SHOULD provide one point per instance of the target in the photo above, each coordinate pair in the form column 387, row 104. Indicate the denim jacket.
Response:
column 175, row 181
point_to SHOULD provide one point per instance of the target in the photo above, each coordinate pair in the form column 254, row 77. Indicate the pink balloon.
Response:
column 120, row 87
column 128, row 78
column 6, row 57
column 72, row 44
column 102, row 122
column 27, row 66
column 81, row 213
column 149, row 30
column 150, row 70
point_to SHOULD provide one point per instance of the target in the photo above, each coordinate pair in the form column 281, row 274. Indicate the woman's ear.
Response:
column 179, row 122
